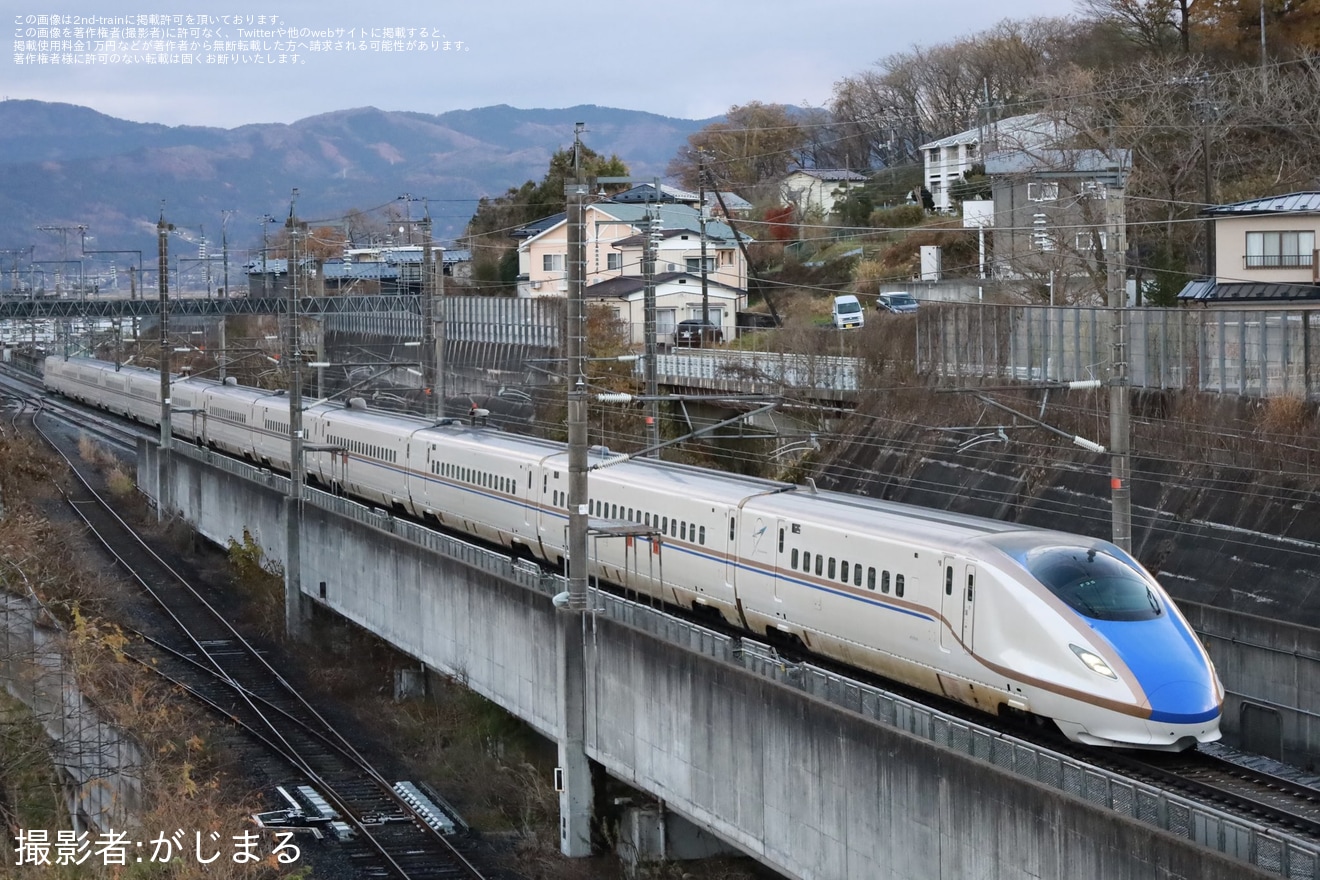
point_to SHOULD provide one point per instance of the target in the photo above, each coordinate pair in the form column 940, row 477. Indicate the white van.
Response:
column 847, row 313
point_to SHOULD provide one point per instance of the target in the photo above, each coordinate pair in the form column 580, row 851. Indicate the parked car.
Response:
column 898, row 302
column 694, row 333
column 847, row 313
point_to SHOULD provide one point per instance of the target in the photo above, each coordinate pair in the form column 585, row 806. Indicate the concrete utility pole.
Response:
column 1119, row 401
column 293, row 504
column 574, row 772
column 222, row 359
column 651, row 229
column 1206, row 110
column 701, row 207
column 432, row 404
column 163, row 458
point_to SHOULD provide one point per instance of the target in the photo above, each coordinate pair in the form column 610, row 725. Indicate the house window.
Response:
column 1042, row 192
column 1086, row 241
column 694, row 264
column 1279, row 250
column 614, row 262
column 1095, row 189
column 552, row 262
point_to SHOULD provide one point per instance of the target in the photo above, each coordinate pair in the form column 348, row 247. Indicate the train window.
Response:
column 701, row 535
column 794, row 563
column 831, row 569
column 781, row 536
column 898, row 585
column 630, row 514
column 682, row 530
column 646, row 519
column 732, row 521
column 884, row 582
column 870, row 578
column 820, row 560
column 614, row 511
column 948, row 580
column 971, row 578
column 1094, row 584
column 806, row 562
column 843, row 571
column 664, row 525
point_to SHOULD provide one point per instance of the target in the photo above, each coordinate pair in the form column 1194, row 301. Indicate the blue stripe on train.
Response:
column 1168, row 664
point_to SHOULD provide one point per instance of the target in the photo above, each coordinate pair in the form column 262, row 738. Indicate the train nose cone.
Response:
column 1183, row 702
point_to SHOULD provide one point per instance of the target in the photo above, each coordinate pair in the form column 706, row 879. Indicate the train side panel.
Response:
column 462, row 483
column 680, row 551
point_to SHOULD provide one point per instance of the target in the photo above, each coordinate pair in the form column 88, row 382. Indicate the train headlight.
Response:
column 1093, row 662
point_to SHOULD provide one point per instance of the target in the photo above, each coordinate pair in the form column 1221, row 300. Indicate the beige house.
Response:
column 679, row 250
column 613, row 237
column 677, row 298
column 1265, row 253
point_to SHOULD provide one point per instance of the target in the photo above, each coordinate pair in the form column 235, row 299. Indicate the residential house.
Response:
column 543, row 251
column 948, row 159
column 816, row 191
column 645, row 193
column 1265, row 254
column 677, row 298
column 1049, row 209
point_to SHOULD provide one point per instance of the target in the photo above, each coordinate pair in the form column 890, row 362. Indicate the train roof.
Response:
column 919, row 525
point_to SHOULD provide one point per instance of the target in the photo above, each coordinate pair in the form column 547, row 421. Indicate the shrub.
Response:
column 901, row 217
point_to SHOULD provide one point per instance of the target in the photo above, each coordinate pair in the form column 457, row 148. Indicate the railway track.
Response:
column 387, row 829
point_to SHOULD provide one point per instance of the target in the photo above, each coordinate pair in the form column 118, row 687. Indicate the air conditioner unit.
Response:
column 563, row 284
column 536, row 285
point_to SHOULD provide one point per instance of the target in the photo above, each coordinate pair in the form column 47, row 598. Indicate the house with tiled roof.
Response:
column 677, row 298
column 1265, row 253
column 543, row 250
column 643, row 193
column 818, row 190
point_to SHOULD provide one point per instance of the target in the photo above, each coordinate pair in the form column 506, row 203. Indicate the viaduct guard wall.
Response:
column 810, row 789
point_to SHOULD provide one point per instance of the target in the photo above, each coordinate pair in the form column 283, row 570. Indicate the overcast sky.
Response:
column 677, row 59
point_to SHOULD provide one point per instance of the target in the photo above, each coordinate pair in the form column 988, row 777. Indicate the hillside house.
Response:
column 1049, row 209
column 816, row 191
column 948, row 159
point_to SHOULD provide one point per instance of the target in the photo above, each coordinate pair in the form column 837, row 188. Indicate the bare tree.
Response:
column 1156, row 25
column 908, row 98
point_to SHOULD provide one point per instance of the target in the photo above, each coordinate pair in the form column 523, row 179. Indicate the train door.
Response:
column 969, row 603
column 731, row 550
column 774, row 545
column 951, row 605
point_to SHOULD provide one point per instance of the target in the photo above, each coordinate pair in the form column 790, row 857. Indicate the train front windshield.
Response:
column 1094, row 583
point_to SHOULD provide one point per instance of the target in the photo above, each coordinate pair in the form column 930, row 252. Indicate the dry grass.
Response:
column 182, row 777
column 1289, row 416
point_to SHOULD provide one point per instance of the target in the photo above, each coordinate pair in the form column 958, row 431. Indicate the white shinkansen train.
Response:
column 1002, row 617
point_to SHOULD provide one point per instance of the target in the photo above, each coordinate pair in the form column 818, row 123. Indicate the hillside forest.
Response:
column 1213, row 107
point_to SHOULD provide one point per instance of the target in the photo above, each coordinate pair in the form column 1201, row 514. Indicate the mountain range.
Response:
column 63, row 166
